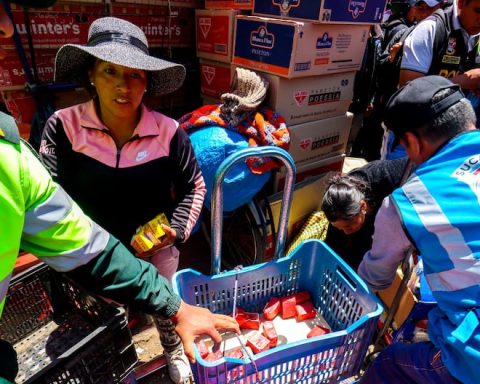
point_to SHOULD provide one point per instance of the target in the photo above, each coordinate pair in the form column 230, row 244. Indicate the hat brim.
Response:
column 71, row 60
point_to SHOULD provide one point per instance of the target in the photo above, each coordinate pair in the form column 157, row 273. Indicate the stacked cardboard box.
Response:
column 214, row 29
column 309, row 51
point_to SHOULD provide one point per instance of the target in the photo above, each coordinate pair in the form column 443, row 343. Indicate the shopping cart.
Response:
column 338, row 294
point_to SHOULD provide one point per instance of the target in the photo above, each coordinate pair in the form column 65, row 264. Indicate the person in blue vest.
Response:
column 437, row 212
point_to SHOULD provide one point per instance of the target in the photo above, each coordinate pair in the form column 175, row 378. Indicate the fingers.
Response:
column 188, row 347
column 215, row 335
column 226, row 322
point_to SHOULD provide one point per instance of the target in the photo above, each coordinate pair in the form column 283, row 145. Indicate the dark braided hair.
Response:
column 342, row 197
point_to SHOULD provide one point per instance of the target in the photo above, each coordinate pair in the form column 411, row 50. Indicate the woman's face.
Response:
column 120, row 89
column 353, row 225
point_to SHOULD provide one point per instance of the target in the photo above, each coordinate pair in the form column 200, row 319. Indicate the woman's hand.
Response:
column 192, row 322
column 165, row 241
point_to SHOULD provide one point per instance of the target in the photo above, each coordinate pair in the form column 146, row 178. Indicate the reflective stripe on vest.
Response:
column 451, row 239
column 48, row 213
column 94, row 245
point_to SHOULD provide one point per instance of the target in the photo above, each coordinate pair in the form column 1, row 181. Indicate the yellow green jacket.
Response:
column 38, row 216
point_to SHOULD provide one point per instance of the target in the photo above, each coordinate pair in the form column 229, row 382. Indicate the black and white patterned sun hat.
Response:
column 119, row 42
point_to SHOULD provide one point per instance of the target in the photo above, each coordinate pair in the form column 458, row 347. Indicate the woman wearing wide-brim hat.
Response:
column 123, row 163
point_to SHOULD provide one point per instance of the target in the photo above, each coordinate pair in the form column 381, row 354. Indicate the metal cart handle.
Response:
column 217, row 198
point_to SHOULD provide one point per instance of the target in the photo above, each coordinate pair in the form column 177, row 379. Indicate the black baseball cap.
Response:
column 411, row 106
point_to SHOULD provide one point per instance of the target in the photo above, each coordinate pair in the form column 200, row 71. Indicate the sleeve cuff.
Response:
column 173, row 305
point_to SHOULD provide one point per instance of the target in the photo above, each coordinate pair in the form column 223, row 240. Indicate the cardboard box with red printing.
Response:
column 319, row 138
column 310, row 168
column 214, row 34
column 311, row 98
column 12, row 73
column 163, row 26
column 323, row 11
column 215, row 78
column 291, row 48
column 229, row 4
column 57, row 25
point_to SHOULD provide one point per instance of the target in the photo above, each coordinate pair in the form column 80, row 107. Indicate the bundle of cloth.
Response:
column 216, row 131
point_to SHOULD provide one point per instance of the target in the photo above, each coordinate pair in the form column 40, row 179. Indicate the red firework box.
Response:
column 272, row 308
column 270, row 333
column 257, row 342
column 12, row 73
column 215, row 78
column 163, row 26
column 214, row 33
column 57, row 25
column 248, row 320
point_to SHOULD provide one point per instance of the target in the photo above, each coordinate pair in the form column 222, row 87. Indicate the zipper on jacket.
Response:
column 119, row 150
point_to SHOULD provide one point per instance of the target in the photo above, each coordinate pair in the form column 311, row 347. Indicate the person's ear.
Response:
column 413, row 145
column 363, row 206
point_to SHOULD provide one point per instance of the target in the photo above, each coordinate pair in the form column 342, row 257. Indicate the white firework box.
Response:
column 306, row 99
column 320, row 138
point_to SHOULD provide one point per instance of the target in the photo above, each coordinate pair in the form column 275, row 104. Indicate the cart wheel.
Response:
column 244, row 235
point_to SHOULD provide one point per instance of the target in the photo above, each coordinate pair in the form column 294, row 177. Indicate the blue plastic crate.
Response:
column 338, row 294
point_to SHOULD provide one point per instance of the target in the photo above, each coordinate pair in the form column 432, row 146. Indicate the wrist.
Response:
column 174, row 317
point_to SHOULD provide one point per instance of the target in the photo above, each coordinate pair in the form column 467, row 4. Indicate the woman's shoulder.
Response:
column 160, row 117
column 73, row 112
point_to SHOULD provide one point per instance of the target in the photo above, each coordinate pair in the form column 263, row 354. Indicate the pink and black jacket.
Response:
column 122, row 188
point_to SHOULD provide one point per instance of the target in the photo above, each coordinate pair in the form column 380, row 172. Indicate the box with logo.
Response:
column 214, row 33
column 291, row 48
column 215, row 78
column 56, row 25
column 319, row 138
column 310, row 98
column 309, row 169
column 229, row 4
column 324, row 11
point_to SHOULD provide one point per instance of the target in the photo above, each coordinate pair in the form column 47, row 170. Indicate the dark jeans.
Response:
column 408, row 363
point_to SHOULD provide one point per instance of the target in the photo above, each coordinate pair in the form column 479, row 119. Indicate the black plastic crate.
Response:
column 63, row 334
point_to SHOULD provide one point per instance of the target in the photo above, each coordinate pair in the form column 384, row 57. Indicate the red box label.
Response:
column 213, row 34
column 214, row 80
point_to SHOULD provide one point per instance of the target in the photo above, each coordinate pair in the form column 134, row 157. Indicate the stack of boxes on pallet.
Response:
column 309, row 51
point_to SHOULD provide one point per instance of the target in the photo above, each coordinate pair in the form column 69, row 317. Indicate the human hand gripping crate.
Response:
column 338, row 295
column 62, row 334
